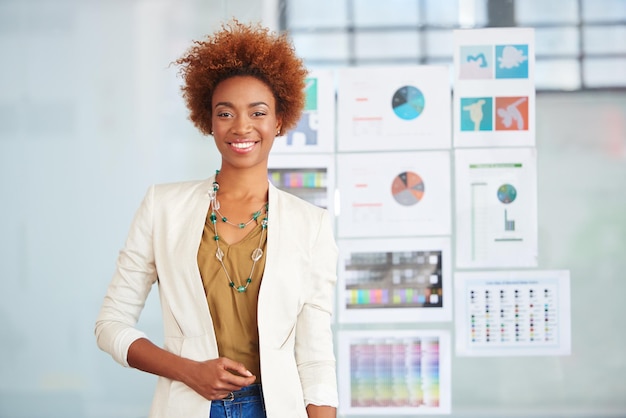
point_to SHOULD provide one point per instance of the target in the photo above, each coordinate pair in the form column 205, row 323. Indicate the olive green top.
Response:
column 234, row 314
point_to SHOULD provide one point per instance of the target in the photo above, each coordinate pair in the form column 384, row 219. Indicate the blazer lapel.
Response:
column 273, row 241
column 181, row 252
column 200, row 205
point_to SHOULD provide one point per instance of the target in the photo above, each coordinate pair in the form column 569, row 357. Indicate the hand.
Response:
column 215, row 379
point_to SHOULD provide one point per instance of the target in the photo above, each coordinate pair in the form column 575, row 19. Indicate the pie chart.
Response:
column 407, row 188
column 408, row 102
column 506, row 193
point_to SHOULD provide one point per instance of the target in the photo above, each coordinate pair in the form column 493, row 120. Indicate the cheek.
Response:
column 269, row 142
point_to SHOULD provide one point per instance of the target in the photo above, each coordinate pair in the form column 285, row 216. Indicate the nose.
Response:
column 242, row 125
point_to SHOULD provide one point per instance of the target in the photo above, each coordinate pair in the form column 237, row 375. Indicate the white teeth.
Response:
column 242, row 145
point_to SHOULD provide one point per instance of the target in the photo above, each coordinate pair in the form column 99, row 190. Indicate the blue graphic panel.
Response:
column 477, row 114
column 511, row 61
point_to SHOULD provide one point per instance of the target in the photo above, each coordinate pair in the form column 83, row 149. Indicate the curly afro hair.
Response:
column 243, row 50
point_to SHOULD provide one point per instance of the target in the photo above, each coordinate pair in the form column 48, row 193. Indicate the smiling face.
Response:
column 244, row 121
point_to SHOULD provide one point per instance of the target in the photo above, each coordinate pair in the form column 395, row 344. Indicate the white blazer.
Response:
column 294, row 306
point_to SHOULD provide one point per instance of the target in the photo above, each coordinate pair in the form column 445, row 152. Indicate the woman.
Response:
column 245, row 272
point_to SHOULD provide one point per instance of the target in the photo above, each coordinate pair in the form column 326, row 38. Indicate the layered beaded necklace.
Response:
column 257, row 253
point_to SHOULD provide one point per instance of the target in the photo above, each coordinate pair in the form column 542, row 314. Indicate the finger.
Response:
column 236, row 367
column 236, row 382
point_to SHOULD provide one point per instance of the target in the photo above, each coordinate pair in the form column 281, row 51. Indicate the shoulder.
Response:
column 296, row 204
column 298, row 215
column 179, row 196
column 181, row 189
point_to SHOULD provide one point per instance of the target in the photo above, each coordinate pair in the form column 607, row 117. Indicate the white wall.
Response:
column 90, row 116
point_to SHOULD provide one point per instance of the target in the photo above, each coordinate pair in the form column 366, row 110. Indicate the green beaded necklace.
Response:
column 256, row 254
column 241, row 225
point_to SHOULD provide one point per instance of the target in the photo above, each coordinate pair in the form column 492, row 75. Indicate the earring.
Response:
column 278, row 132
column 212, row 133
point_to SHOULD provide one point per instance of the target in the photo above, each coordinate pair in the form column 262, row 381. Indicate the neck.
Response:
column 243, row 184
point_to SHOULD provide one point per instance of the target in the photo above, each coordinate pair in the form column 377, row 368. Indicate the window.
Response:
column 579, row 44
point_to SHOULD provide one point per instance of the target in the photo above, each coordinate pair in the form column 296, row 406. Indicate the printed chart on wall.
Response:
column 394, row 194
column 512, row 313
column 395, row 280
column 394, row 372
column 310, row 177
column 315, row 131
column 394, row 108
column 494, row 88
column 496, row 208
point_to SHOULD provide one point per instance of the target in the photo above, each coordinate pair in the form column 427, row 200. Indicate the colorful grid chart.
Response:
column 523, row 315
column 393, row 373
column 394, row 279
column 310, row 183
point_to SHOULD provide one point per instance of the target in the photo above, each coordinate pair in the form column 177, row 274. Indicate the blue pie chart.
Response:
column 507, row 193
column 408, row 102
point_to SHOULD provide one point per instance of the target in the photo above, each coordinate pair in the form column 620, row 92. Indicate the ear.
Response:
column 279, row 127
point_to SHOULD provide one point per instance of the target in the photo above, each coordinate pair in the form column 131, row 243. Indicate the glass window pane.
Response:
column 322, row 46
column 439, row 43
column 473, row 13
column 317, row 14
column 605, row 39
column 386, row 45
column 556, row 41
column 325, row 65
column 557, row 74
column 441, row 12
column 606, row 72
column 386, row 13
column 603, row 10
column 542, row 11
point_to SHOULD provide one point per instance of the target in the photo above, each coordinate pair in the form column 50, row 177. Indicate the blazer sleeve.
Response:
column 131, row 283
column 314, row 339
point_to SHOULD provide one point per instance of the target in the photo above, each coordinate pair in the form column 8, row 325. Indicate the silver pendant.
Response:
column 257, row 254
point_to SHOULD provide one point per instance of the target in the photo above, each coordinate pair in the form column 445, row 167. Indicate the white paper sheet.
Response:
column 316, row 129
column 394, row 108
column 496, row 207
column 512, row 313
column 494, row 87
column 394, row 194
column 394, row 372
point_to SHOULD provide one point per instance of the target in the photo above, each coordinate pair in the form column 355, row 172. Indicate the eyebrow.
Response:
column 253, row 104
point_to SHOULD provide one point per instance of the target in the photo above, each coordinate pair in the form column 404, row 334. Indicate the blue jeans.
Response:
column 245, row 403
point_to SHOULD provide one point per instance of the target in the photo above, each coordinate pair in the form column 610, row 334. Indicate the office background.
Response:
column 91, row 115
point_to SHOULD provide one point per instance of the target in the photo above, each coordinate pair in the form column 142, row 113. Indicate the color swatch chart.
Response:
column 309, row 184
column 394, row 279
column 370, row 298
column 513, row 314
column 394, row 372
column 295, row 178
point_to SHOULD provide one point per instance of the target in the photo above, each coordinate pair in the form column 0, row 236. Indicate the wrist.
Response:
column 185, row 371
